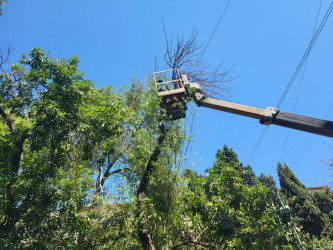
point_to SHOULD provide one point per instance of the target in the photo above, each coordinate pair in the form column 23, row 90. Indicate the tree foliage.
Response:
column 223, row 209
column 311, row 213
column 56, row 128
column 59, row 133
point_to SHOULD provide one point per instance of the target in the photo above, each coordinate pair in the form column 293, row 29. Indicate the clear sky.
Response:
column 263, row 41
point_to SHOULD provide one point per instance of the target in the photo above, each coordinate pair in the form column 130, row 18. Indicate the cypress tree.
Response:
column 324, row 201
column 229, row 157
column 306, row 215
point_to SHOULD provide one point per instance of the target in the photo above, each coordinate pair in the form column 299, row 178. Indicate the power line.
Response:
column 263, row 133
column 301, row 81
column 211, row 36
column 306, row 61
column 313, row 40
column 311, row 138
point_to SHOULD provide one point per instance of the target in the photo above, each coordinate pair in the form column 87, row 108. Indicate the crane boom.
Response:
column 231, row 108
column 271, row 116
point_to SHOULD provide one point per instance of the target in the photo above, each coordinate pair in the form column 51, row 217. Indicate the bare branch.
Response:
column 186, row 55
column 4, row 55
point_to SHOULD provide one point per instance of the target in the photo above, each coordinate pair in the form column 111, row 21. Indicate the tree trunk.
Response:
column 144, row 234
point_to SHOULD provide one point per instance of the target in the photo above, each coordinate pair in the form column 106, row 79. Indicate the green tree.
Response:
column 223, row 210
column 324, row 201
column 306, row 215
column 230, row 157
column 57, row 131
column 269, row 181
column 159, row 165
column 49, row 118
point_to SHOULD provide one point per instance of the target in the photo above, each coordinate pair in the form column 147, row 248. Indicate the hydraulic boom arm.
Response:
column 270, row 116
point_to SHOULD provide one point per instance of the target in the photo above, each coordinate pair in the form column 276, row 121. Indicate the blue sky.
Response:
column 263, row 41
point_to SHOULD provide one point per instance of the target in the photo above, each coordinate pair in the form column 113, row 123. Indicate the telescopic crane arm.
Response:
column 271, row 116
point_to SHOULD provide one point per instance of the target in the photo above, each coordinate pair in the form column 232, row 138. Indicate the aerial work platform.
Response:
column 171, row 89
column 175, row 90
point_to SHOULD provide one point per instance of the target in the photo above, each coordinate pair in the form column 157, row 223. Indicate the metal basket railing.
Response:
column 168, row 80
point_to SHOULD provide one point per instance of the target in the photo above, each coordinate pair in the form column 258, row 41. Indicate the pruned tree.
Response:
column 187, row 56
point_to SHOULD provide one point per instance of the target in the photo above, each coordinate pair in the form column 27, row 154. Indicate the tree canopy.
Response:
column 311, row 213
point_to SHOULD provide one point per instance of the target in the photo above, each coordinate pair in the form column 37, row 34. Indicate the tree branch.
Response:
column 4, row 55
column 107, row 173
column 117, row 171
column 186, row 55
column 150, row 165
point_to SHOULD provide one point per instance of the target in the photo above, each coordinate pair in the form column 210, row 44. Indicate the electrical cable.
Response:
column 263, row 133
column 311, row 138
column 313, row 40
column 211, row 36
column 301, row 81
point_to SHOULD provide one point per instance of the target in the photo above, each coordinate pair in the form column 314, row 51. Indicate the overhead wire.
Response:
column 312, row 42
column 311, row 138
column 301, row 81
column 263, row 133
column 217, row 24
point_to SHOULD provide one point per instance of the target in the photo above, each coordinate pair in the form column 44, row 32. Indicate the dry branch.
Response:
column 186, row 55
